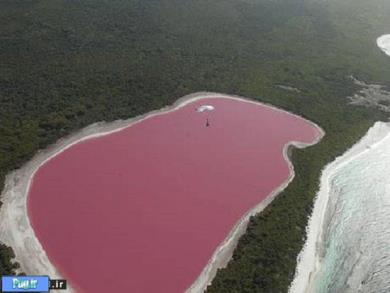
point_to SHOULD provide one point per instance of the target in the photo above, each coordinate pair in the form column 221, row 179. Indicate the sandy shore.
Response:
column 383, row 43
column 15, row 228
column 309, row 259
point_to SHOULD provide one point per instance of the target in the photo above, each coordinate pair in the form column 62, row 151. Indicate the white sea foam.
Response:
column 383, row 43
column 348, row 232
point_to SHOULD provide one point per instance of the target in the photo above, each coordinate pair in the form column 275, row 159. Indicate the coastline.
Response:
column 309, row 258
column 17, row 232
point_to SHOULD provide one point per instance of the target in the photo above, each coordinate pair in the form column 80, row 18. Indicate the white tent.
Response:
column 205, row 108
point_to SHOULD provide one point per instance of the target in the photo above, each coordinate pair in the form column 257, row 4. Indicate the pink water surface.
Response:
column 143, row 209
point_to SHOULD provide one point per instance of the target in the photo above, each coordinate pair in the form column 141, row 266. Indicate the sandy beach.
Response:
column 15, row 228
column 383, row 43
column 309, row 259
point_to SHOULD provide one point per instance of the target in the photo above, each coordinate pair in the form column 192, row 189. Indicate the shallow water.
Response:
column 356, row 247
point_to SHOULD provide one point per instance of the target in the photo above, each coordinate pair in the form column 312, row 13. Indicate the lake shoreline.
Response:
column 17, row 232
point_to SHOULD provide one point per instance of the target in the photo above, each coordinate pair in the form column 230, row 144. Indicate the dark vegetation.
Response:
column 385, row 102
column 7, row 266
column 66, row 64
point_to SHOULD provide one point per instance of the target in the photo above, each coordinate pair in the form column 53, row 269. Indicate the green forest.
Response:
column 65, row 64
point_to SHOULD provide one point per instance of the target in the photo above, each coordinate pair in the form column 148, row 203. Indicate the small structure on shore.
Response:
column 204, row 108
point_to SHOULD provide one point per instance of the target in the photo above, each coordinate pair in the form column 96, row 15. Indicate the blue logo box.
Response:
column 25, row 283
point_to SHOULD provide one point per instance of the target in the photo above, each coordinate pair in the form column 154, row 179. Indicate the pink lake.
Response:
column 143, row 209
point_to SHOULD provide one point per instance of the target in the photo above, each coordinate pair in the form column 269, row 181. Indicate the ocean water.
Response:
column 355, row 252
